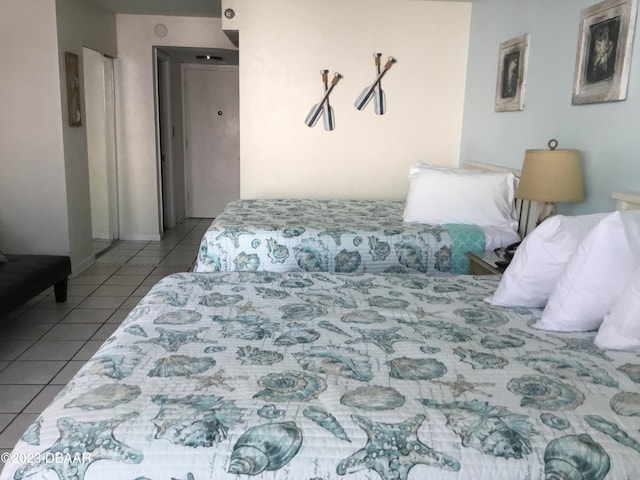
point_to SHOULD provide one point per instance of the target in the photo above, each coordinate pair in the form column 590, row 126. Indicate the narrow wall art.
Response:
column 73, row 89
column 512, row 73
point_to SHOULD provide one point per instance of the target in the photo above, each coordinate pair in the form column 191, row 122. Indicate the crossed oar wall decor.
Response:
column 324, row 109
column 375, row 89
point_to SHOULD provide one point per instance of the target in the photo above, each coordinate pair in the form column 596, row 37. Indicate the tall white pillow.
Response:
column 440, row 195
column 620, row 329
column 540, row 259
column 595, row 275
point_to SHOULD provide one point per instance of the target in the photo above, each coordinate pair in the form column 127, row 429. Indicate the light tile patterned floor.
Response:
column 44, row 343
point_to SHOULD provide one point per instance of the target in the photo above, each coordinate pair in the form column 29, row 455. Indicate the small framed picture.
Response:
column 73, row 89
column 512, row 73
column 603, row 58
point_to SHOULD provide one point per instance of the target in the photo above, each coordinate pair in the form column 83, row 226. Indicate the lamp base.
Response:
column 548, row 210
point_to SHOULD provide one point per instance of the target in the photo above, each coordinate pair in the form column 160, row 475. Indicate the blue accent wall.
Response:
column 608, row 134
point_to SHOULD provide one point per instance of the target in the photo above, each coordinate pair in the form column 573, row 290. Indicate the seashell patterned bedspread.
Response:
column 343, row 236
column 309, row 376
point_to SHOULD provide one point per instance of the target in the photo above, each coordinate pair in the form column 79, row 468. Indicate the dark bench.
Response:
column 23, row 277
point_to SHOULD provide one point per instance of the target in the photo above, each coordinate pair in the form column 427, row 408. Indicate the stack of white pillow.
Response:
column 585, row 272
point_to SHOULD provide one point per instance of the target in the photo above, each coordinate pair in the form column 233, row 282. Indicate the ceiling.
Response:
column 180, row 8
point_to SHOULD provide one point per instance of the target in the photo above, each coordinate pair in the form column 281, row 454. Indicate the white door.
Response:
column 100, row 127
column 212, row 138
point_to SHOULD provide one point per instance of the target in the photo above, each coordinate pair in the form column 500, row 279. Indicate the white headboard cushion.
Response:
column 626, row 201
column 527, row 211
column 487, row 167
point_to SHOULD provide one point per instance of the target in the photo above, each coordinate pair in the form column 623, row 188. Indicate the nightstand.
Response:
column 483, row 263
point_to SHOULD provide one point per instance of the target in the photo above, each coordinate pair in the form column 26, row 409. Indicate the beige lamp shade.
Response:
column 551, row 176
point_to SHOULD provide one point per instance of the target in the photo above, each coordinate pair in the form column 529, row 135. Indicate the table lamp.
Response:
column 551, row 176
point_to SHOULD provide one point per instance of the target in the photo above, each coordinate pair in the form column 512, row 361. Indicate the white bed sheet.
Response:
column 497, row 237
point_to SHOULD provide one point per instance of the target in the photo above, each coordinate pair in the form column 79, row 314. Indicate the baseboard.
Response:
column 78, row 267
column 141, row 237
column 102, row 235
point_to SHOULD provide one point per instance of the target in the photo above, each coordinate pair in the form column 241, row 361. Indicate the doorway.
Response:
column 101, row 145
column 208, row 150
column 212, row 133
column 167, row 214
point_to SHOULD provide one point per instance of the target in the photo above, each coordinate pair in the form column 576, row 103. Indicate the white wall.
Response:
column 44, row 183
column 283, row 46
column 137, row 165
column 606, row 133
column 80, row 23
column 33, row 203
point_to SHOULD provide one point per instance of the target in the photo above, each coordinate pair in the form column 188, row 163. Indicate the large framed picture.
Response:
column 512, row 73
column 603, row 58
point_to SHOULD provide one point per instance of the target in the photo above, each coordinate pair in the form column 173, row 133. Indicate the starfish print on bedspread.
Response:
column 524, row 333
column 583, row 345
column 172, row 340
column 248, row 308
column 233, row 234
column 218, row 379
column 383, row 339
column 188, row 477
column 79, row 446
column 394, row 449
column 361, row 286
column 461, row 385
column 206, row 282
column 335, row 233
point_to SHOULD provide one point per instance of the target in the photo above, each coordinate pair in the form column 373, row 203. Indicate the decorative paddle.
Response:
column 316, row 110
column 379, row 99
column 368, row 93
column 327, row 115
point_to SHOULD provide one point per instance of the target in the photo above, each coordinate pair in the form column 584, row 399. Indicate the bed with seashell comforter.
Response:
column 343, row 236
column 309, row 376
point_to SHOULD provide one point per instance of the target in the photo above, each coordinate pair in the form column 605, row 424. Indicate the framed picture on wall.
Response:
column 512, row 73
column 603, row 58
column 73, row 89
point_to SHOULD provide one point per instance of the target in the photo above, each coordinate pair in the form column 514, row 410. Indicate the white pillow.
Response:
column 540, row 259
column 440, row 195
column 595, row 275
column 620, row 329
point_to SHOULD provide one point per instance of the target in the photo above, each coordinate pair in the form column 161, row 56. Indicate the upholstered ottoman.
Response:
column 22, row 277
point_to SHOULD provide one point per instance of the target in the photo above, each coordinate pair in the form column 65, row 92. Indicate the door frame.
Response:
column 104, row 128
column 162, row 100
column 112, row 142
column 185, row 118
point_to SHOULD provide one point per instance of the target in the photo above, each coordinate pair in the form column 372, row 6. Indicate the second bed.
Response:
column 341, row 236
